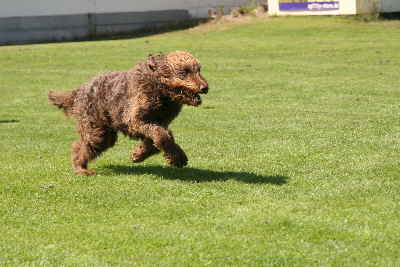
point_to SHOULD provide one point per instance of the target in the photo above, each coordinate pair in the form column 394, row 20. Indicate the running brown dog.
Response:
column 140, row 103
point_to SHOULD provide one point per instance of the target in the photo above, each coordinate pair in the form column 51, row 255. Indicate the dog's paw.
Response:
column 177, row 163
column 177, row 159
column 138, row 157
column 141, row 153
column 84, row 172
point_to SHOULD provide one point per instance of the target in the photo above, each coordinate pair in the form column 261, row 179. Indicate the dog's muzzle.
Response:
column 204, row 89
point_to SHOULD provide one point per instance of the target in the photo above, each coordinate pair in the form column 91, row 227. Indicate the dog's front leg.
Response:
column 164, row 141
column 144, row 150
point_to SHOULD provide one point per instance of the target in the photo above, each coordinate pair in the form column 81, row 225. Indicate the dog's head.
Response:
column 179, row 75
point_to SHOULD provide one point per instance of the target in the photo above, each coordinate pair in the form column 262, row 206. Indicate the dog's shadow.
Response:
column 9, row 121
column 198, row 175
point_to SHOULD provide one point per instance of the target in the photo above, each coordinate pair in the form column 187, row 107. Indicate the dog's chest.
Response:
column 164, row 111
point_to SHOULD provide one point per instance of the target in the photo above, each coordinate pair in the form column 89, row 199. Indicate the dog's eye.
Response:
column 185, row 71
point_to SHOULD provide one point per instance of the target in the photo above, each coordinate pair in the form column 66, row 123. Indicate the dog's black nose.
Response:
column 204, row 89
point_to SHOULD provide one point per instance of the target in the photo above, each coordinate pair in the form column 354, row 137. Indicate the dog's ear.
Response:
column 159, row 66
column 154, row 62
column 151, row 63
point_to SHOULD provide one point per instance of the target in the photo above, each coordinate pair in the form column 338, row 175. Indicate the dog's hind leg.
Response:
column 144, row 150
column 91, row 145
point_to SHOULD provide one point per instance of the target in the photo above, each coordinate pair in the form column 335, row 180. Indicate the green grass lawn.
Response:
column 293, row 157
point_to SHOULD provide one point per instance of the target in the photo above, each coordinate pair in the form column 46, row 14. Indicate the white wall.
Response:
column 25, row 21
column 390, row 6
column 197, row 8
column 19, row 8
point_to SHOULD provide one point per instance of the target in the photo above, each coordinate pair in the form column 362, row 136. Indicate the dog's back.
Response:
column 105, row 93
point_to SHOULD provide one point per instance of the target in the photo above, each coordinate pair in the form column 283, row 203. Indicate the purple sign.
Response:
column 309, row 6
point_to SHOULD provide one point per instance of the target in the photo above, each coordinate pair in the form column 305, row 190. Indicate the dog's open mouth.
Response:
column 196, row 100
column 185, row 96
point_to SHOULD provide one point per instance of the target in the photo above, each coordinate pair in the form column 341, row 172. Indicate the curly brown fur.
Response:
column 140, row 103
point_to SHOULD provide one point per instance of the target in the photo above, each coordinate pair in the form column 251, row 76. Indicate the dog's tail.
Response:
column 63, row 100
